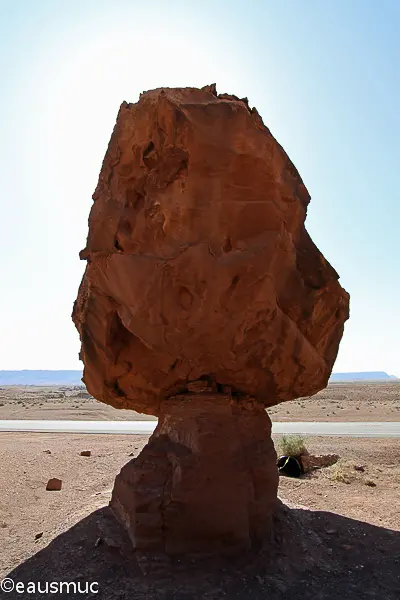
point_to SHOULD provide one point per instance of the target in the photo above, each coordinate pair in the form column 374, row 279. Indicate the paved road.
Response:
column 378, row 429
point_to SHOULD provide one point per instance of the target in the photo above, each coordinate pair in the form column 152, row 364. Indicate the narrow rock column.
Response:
column 205, row 482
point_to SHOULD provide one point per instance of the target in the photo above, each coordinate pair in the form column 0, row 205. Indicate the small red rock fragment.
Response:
column 54, row 485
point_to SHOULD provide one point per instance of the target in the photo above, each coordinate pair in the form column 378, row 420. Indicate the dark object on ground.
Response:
column 86, row 453
column 289, row 466
column 370, row 483
column 54, row 485
column 38, row 535
column 359, row 468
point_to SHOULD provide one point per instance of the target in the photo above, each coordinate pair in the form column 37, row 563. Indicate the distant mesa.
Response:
column 363, row 376
column 40, row 377
column 47, row 377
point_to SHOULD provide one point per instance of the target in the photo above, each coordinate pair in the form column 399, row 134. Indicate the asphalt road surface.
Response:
column 380, row 429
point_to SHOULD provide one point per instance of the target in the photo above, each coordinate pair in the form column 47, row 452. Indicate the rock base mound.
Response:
column 205, row 482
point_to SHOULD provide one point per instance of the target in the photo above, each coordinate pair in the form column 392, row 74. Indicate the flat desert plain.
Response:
column 338, row 402
column 353, row 513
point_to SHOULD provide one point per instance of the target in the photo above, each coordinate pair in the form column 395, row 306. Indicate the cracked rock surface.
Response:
column 199, row 267
column 204, row 301
column 205, row 482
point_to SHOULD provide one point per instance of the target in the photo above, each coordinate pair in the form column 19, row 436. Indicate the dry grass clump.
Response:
column 340, row 472
column 292, row 445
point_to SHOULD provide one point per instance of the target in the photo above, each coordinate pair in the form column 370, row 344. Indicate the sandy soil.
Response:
column 345, row 544
column 65, row 403
column 73, row 519
column 338, row 402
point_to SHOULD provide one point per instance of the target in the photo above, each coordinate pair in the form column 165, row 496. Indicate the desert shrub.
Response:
column 339, row 473
column 292, row 445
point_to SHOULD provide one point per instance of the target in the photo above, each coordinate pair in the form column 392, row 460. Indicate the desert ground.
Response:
column 343, row 526
column 338, row 402
column 351, row 512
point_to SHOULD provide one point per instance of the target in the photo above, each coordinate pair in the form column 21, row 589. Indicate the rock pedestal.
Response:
column 204, row 301
column 205, row 482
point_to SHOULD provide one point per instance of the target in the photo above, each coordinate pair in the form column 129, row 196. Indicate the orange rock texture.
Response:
column 199, row 266
column 206, row 481
column 204, row 301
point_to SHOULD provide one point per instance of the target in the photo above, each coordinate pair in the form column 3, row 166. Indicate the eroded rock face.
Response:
column 199, row 264
column 205, row 482
column 204, row 301
column 310, row 461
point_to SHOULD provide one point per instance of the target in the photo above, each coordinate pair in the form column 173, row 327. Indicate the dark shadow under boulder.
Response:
column 301, row 560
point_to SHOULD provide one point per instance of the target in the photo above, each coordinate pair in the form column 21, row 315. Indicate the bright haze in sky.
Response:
column 325, row 77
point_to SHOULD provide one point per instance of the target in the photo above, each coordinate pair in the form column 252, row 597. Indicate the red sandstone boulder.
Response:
column 204, row 301
column 199, row 264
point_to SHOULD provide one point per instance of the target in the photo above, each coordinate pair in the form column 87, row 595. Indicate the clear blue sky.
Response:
column 324, row 74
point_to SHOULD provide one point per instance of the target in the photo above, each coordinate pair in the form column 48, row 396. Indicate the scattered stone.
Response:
column 347, row 547
column 98, row 542
column 47, row 451
column 370, row 483
column 330, row 531
column 38, row 535
column 86, row 453
column 359, row 468
column 54, row 485
column 131, row 454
